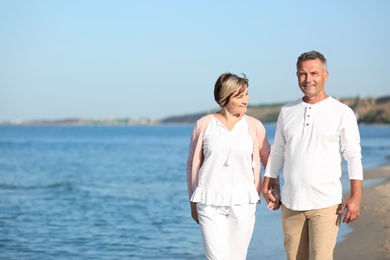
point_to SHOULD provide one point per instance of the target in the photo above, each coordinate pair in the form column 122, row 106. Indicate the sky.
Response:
column 97, row 59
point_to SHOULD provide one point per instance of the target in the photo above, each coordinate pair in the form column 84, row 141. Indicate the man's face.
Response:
column 311, row 78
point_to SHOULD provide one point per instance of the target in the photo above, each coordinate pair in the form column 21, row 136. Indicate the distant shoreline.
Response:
column 372, row 111
column 110, row 123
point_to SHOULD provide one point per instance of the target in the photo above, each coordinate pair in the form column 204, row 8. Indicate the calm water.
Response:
column 116, row 193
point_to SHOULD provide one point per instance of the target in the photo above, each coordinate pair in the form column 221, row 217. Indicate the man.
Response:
column 312, row 136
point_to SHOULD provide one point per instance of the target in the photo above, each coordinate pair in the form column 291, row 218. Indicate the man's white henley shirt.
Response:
column 310, row 142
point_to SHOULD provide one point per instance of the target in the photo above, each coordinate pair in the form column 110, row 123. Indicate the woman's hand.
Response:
column 273, row 199
column 271, row 193
column 194, row 212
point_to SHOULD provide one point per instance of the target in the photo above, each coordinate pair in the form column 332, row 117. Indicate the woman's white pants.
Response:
column 226, row 230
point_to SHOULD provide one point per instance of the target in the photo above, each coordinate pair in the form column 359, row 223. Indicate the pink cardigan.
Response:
column 261, row 151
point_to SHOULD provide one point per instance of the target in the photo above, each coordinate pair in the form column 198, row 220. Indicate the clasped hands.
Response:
column 272, row 197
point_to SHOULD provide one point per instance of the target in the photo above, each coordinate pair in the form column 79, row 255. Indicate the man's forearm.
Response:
column 356, row 189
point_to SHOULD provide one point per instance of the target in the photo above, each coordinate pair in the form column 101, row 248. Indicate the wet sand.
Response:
column 370, row 238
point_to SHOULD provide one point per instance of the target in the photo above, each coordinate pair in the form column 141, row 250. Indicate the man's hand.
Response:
column 352, row 205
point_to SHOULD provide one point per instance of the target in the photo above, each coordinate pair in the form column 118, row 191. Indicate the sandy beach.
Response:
column 370, row 238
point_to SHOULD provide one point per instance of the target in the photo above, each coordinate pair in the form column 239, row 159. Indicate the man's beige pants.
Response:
column 310, row 234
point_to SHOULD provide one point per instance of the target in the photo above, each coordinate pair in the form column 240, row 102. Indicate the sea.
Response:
column 119, row 192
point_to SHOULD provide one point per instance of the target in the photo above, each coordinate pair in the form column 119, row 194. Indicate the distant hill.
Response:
column 368, row 111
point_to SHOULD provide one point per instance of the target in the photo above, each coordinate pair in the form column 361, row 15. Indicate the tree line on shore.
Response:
column 367, row 110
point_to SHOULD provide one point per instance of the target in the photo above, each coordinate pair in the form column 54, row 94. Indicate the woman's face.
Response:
column 238, row 102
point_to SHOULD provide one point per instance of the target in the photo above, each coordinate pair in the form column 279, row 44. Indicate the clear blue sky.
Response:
column 99, row 59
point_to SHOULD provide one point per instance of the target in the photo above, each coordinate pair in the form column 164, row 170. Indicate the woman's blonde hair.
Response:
column 227, row 84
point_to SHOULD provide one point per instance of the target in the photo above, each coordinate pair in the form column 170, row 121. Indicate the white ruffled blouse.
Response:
column 226, row 175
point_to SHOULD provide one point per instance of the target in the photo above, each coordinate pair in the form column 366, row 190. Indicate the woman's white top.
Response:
column 226, row 175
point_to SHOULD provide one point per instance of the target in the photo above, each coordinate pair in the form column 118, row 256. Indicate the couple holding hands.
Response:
column 313, row 135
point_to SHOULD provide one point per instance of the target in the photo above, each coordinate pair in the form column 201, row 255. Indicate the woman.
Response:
column 223, row 171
